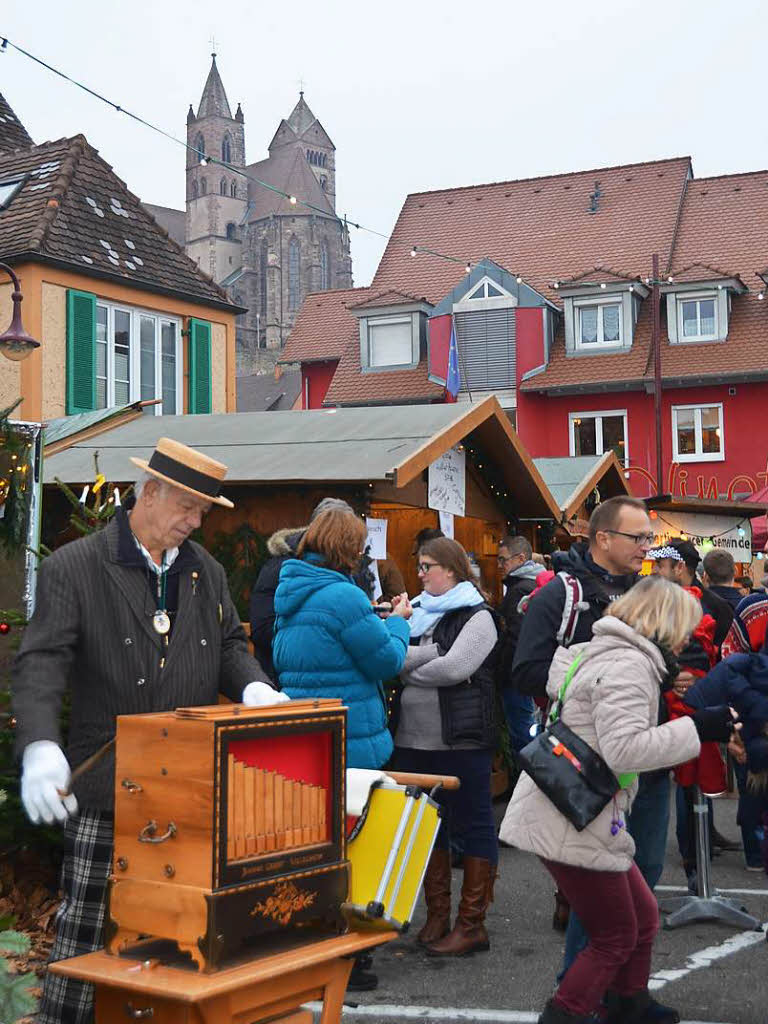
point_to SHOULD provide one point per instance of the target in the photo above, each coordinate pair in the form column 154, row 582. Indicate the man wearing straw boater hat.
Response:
column 132, row 619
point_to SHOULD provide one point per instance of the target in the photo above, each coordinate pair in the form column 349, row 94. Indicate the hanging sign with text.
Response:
column 726, row 532
column 376, row 542
column 446, row 489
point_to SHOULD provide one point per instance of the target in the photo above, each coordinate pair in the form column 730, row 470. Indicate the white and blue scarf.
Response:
column 428, row 609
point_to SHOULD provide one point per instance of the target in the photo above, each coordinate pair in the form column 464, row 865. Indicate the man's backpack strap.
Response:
column 573, row 605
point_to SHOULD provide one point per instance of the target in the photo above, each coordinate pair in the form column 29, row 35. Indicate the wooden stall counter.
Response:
column 270, row 988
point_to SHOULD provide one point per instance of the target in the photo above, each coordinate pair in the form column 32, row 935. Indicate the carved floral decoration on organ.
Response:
column 286, row 901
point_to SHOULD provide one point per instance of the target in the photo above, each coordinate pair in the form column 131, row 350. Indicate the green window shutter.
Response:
column 200, row 396
column 81, row 352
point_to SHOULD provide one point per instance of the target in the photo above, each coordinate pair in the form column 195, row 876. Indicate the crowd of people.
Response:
column 653, row 673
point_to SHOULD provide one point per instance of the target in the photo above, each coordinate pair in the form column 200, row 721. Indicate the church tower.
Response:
column 302, row 127
column 216, row 197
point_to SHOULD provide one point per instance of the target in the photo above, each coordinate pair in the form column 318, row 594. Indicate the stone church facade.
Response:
column 267, row 252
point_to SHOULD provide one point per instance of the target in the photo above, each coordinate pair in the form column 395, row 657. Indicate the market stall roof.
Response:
column 66, row 430
column 703, row 506
column 366, row 444
column 571, row 480
column 760, row 525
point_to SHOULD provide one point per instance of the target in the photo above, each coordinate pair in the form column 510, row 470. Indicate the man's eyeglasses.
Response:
column 638, row 539
column 424, row 567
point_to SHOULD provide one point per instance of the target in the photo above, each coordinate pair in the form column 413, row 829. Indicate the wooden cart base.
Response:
column 271, row 988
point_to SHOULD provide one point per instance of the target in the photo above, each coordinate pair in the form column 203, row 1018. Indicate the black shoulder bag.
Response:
column 567, row 770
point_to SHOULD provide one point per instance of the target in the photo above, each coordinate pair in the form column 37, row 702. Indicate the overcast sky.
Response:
column 416, row 94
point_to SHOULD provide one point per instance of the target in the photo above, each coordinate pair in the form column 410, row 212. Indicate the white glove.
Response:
column 260, row 695
column 45, row 772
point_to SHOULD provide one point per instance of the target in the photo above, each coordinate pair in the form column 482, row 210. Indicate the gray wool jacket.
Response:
column 91, row 634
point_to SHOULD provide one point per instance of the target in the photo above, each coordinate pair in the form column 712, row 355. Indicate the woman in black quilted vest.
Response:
column 447, row 726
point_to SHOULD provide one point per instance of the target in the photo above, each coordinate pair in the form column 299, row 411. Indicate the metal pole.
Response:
column 656, row 341
column 706, row 904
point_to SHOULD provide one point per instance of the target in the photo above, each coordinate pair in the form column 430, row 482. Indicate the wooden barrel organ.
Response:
column 229, row 828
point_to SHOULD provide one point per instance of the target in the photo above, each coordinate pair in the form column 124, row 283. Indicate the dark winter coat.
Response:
column 537, row 642
column 281, row 545
column 92, row 634
column 516, row 588
column 742, row 682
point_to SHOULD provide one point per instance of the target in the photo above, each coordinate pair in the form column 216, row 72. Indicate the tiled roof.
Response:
column 386, row 298
column 699, row 272
column 541, row 228
column 350, row 386
column 557, row 228
column 725, row 222
column 324, row 326
column 288, row 170
column 73, row 208
column 13, row 134
column 597, row 275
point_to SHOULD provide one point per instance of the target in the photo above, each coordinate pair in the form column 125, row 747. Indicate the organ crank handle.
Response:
column 147, row 834
column 425, row 781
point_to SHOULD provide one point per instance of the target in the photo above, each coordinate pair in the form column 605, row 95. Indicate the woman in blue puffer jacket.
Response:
column 329, row 642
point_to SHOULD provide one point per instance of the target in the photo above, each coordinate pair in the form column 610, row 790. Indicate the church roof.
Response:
column 214, row 102
column 301, row 116
column 288, row 170
column 13, row 134
column 73, row 210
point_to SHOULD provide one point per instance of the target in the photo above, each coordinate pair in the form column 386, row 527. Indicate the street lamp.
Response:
column 15, row 343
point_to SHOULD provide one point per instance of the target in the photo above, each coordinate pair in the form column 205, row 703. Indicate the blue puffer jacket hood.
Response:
column 329, row 643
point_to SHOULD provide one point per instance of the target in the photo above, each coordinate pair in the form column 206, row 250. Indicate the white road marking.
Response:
column 704, row 957
column 723, row 892
column 445, row 1013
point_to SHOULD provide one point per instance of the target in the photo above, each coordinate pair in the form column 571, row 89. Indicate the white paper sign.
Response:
column 727, row 532
column 446, row 523
column 446, row 489
column 377, row 537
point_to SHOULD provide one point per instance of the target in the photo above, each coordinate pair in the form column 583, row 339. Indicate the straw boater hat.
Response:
column 187, row 469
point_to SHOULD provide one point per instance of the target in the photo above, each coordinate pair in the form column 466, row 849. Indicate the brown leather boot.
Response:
column 437, row 893
column 468, row 934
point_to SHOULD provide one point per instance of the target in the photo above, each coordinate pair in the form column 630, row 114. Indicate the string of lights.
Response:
column 711, row 538
column 206, row 159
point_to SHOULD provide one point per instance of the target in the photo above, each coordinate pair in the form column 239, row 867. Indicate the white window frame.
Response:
column 383, row 321
column 469, row 304
column 134, row 395
column 698, row 455
column 606, row 300
column 598, row 416
column 682, row 297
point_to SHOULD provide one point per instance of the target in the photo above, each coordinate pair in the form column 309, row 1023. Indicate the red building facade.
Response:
column 548, row 285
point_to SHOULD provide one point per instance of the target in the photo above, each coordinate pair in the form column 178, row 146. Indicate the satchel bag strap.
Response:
column 554, row 712
column 626, row 779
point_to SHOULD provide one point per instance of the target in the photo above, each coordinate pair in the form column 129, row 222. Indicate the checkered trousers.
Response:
column 88, row 842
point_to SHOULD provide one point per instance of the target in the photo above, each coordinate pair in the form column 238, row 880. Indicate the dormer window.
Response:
column 390, row 341
column 599, row 324
column 600, row 310
column 699, row 304
column 392, row 333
